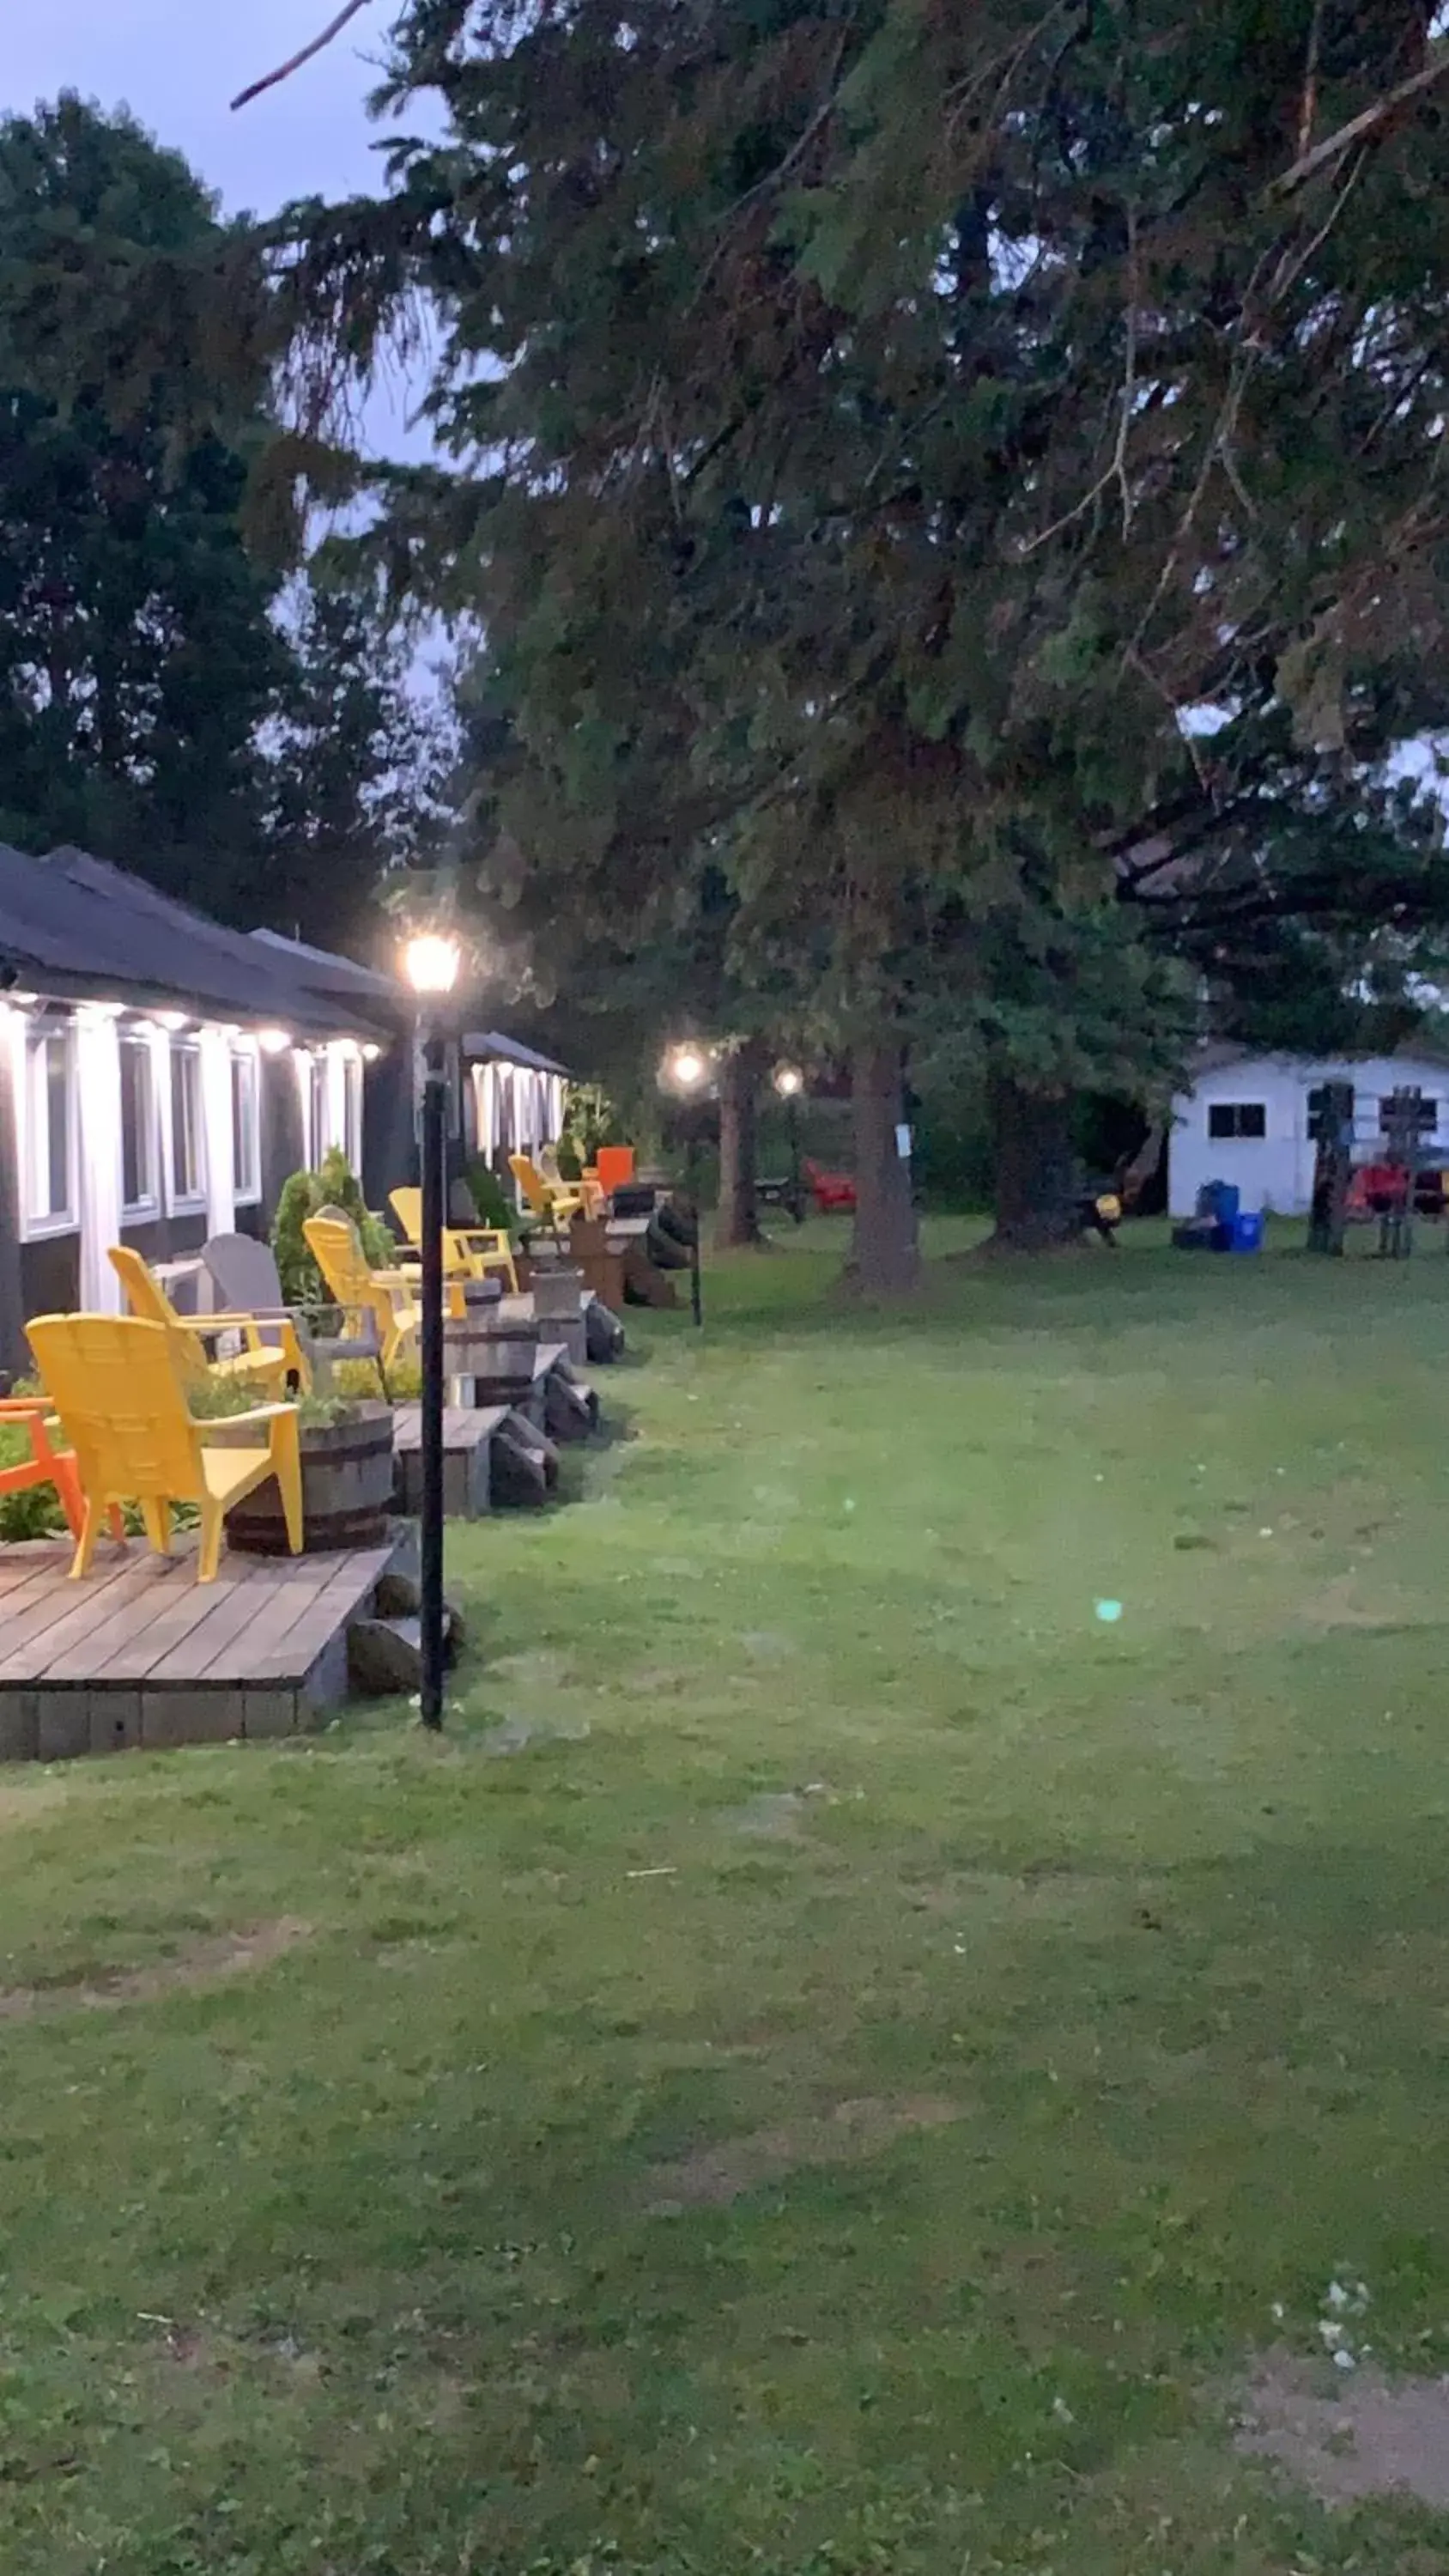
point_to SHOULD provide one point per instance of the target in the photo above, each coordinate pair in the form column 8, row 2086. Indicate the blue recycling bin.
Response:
column 1220, row 1200
column 1248, row 1231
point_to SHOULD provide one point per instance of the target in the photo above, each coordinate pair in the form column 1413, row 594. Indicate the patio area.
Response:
column 140, row 1654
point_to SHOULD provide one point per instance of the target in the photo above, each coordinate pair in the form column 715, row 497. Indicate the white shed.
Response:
column 1246, row 1121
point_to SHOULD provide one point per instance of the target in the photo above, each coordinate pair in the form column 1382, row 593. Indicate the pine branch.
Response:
column 1369, row 121
column 318, row 45
column 1308, row 108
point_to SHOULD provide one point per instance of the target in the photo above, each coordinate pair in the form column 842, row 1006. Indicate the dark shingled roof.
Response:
column 490, row 1047
column 74, row 926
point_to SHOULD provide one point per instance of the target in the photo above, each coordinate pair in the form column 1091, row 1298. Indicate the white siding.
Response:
column 1275, row 1171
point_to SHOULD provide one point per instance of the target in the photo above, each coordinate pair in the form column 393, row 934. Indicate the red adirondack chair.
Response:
column 833, row 1192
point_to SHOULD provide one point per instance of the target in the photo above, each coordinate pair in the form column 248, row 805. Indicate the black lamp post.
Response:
column 685, row 1071
column 789, row 1083
column 432, row 961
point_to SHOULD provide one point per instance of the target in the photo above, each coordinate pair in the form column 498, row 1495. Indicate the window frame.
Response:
column 37, row 1225
column 247, row 1186
column 192, row 1201
column 1426, row 1134
column 147, row 1208
column 1237, row 1134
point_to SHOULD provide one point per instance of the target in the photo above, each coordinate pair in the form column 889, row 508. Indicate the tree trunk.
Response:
column 737, row 1218
column 1035, row 1194
column 886, row 1256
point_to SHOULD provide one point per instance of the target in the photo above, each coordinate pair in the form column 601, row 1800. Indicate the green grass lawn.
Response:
column 842, row 2058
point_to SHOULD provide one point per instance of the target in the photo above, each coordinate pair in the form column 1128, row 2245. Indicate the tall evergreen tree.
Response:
column 913, row 416
column 138, row 655
column 351, row 773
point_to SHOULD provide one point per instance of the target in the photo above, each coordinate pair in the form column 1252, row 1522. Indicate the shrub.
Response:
column 36, row 1513
column 590, row 1120
column 490, row 1198
column 356, row 1380
column 220, row 1399
column 333, row 1186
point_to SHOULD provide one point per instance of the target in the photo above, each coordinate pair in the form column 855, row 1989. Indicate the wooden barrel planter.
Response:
column 347, row 1481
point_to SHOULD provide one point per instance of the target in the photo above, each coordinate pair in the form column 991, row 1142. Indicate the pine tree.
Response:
column 879, row 430
column 138, row 656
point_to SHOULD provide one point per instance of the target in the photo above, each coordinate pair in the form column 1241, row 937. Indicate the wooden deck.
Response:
column 140, row 1654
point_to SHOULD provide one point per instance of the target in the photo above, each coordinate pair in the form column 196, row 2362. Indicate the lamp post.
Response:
column 685, row 1072
column 789, row 1083
column 431, row 961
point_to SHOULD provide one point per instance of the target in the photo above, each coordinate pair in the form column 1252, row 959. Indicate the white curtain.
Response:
column 334, row 1112
column 216, row 1129
column 485, row 1108
column 98, row 1147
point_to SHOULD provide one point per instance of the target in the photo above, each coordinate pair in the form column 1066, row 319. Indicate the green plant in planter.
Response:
column 590, row 1120
column 356, row 1381
column 491, row 1199
column 324, row 1411
column 221, row 1399
column 302, row 1197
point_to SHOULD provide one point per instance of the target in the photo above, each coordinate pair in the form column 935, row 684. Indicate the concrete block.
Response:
column 115, row 1721
column 19, row 1726
column 171, row 1717
column 268, row 1715
column 63, row 1724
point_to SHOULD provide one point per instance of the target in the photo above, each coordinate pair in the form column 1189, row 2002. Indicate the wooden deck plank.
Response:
column 54, row 1619
column 355, row 1579
column 284, row 1590
column 246, row 1658
column 117, row 1649
column 236, row 1609
column 33, row 1584
column 48, row 1572
column 461, row 1429
column 20, row 1563
column 346, row 1581
column 131, row 1655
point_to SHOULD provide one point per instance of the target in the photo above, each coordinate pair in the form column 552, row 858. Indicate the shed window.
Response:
column 1235, row 1118
column 1426, row 1112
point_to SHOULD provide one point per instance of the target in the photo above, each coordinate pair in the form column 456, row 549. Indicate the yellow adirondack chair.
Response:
column 554, row 1205
column 469, row 1252
column 272, row 1364
column 118, row 1386
column 384, row 1295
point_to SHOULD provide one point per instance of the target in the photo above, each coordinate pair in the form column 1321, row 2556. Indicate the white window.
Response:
column 188, row 1127
column 140, row 1128
column 48, row 1139
column 246, row 1152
